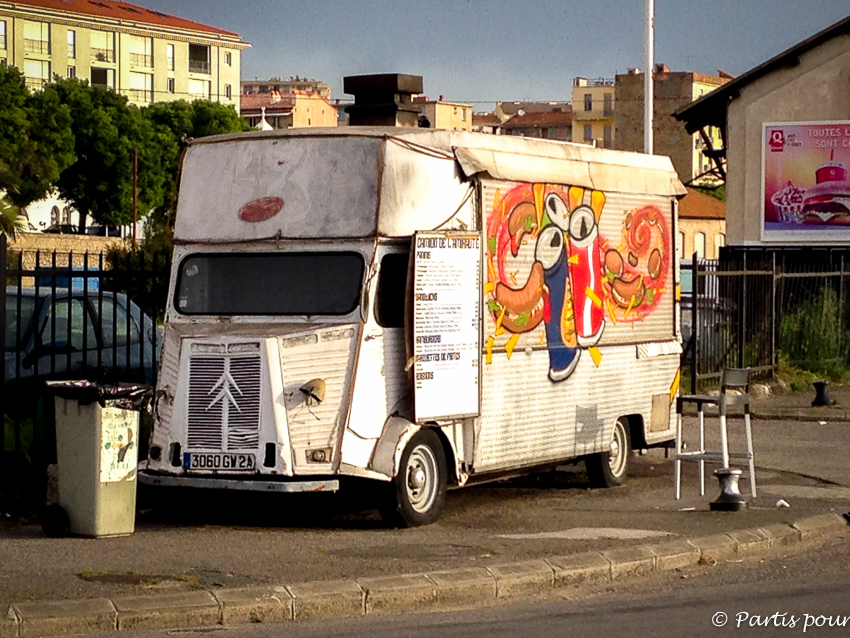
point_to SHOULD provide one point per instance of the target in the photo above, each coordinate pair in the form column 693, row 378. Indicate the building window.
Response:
column 141, row 50
column 37, row 38
column 102, row 46
column 719, row 242
column 199, row 89
column 681, row 246
column 606, row 136
column 37, row 74
column 170, row 54
column 170, row 85
column 588, row 133
column 463, row 115
column 140, row 87
column 227, row 91
column 72, row 44
column 72, row 71
column 608, row 105
column 199, row 59
column 699, row 245
column 102, row 77
column 588, row 102
column 228, row 58
column 2, row 34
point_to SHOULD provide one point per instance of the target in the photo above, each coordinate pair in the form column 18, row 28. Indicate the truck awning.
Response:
column 610, row 171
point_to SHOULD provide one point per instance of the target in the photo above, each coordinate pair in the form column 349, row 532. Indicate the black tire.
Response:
column 609, row 469
column 55, row 522
column 418, row 492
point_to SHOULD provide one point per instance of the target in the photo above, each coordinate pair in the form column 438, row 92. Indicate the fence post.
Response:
column 694, row 322
column 773, row 322
column 841, row 344
column 3, row 309
column 743, row 327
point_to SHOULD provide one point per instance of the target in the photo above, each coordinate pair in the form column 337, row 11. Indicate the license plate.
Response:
column 229, row 462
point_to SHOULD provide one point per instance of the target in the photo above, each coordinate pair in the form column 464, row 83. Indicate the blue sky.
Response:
column 486, row 50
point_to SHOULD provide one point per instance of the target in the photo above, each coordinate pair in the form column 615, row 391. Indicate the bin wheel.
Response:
column 608, row 469
column 418, row 492
column 55, row 522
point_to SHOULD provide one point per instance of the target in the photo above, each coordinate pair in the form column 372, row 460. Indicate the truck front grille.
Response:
column 224, row 398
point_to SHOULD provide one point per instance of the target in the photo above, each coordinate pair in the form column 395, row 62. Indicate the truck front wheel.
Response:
column 418, row 492
column 608, row 469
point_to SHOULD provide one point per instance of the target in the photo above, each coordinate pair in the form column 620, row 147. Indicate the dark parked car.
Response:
column 74, row 335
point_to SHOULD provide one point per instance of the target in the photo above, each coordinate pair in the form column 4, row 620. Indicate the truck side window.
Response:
column 389, row 298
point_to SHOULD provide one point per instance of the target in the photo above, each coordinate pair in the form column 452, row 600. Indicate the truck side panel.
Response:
column 574, row 280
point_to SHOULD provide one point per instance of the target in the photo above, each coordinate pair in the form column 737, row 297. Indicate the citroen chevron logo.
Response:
column 224, row 386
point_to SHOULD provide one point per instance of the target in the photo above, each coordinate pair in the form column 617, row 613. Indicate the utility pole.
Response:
column 647, row 77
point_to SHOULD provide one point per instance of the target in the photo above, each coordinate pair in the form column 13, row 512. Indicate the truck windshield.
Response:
column 308, row 283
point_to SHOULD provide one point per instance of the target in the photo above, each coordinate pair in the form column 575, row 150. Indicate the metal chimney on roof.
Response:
column 383, row 100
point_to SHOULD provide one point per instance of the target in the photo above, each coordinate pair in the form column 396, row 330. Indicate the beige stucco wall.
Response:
column 818, row 88
column 713, row 229
column 312, row 110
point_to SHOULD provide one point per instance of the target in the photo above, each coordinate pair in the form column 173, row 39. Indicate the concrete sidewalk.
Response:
column 195, row 564
column 401, row 593
column 774, row 403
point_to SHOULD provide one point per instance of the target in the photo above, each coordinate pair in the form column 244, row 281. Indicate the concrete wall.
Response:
column 818, row 88
column 671, row 91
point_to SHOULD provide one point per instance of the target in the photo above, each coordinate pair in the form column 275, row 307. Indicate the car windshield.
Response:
column 13, row 334
column 307, row 283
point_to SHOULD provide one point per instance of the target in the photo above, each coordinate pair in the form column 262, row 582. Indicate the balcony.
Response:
column 139, row 95
column 103, row 55
column 40, row 47
column 199, row 66
column 35, row 84
column 140, row 59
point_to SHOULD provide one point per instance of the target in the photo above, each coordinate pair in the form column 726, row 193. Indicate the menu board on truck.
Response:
column 805, row 186
column 446, row 325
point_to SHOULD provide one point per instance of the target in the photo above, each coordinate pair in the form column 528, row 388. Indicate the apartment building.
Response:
column 295, row 109
column 454, row 116
column 672, row 90
column 593, row 111
column 551, row 125
column 306, row 85
column 146, row 55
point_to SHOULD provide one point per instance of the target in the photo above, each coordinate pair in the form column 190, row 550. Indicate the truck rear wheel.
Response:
column 608, row 469
column 419, row 489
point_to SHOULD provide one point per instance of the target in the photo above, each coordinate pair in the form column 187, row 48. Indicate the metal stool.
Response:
column 732, row 379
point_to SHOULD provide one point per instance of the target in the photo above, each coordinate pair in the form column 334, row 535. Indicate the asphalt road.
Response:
column 803, row 594
column 229, row 540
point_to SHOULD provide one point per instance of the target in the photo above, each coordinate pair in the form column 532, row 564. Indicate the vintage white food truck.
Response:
column 426, row 308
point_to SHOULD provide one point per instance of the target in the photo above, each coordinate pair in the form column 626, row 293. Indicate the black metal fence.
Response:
column 69, row 316
column 761, row 307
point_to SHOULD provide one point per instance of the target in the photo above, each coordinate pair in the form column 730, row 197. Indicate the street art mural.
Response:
column 554, row 279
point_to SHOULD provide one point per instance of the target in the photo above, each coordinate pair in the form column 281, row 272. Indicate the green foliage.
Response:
column 10, row 221
column 718, row 192
column 812, row 338
column 107, row 132
column 36, row 141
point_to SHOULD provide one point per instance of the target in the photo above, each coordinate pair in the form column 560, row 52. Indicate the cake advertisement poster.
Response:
column 806, row 180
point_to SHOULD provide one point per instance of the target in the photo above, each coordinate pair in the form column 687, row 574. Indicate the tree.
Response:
column 10, row 221
column 107, row 133
column 177, row 123
column 36, row 140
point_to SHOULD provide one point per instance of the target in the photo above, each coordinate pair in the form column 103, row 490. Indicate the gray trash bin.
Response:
column 97, row 434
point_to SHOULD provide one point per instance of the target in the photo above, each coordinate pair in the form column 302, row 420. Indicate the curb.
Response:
column 394, row 594
column 831, row 415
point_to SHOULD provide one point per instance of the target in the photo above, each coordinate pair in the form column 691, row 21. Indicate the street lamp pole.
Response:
column 647, row 77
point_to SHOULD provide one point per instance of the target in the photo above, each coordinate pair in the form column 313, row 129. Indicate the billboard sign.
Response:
column 805, row 181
